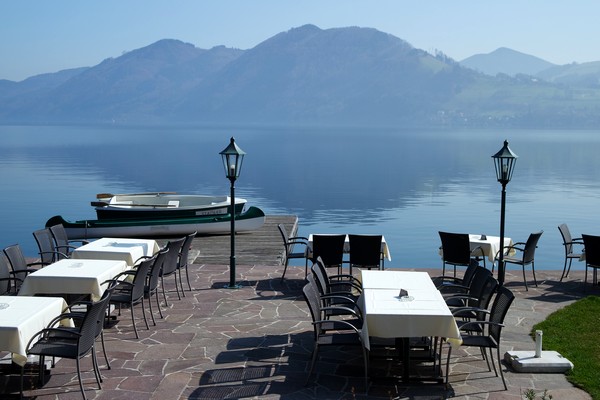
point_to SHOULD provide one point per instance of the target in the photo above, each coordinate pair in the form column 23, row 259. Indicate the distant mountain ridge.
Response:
column 506, row 61
column 306, row 75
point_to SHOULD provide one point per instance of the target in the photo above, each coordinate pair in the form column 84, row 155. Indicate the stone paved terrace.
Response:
column 255, row 342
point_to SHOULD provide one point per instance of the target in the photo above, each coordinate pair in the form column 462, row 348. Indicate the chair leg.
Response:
column 158, row 304
column 284, row 269
column 180, row 281
column 177, row 286
column 151, row 310
column 500, row 367
column 144, row 314
column 533, row 270
column 525, row 279
column 133, row 321
column 187, row 277
column 162, row 284
column 96, row 368
column 312, row 363
column 79, row 377
column 565, row 273
column 448, row 362
column 104, row 349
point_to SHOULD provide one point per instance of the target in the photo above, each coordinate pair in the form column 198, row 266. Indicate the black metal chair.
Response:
column 448, row 283
column 491, row 330
column 456, row 251
column 526, row 255
column 330, row 248
column 182, row 263
column 592, row 256
column 47, row 249
column 288, row 245
column 20, row 267
column 71, row 343
column 365, row 251
column 151, row 286
column 330, row 294
column 570, row 244
column 329, row 332
column 8, row 282
column 476, row 306
column 170, row 265
column 130, row 290
column 61, row 240
column 466, row 295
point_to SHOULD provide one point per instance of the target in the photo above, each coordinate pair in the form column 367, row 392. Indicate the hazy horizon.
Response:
column 45, row 37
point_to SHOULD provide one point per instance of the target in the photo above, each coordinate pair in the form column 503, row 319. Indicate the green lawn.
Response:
column 574, row 332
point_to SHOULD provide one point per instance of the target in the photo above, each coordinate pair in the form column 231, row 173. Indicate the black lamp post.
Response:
column 504, row 162
column 232, row 157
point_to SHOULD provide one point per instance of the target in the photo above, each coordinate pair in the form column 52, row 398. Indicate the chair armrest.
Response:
column 458, row 310
column 339, row 323
column 60, row 332
column 481, row 323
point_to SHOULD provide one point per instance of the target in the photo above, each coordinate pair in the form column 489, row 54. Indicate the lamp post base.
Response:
column 234, row 286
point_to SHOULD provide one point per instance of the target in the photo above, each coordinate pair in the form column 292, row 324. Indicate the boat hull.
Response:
column 161, row 205
column 250, row 220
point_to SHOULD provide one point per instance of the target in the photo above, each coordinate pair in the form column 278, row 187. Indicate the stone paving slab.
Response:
column 255, row 342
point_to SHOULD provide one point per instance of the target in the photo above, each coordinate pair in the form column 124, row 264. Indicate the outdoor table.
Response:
column 21, row 317
column 72, row 276
column 384, row 246
column 125, row 249
column 421, row 313
column 490, row 245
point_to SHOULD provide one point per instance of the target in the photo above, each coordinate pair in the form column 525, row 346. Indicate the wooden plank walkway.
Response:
column 261, row 247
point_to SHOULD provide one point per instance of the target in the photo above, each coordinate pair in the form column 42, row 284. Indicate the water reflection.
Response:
column 406, row 185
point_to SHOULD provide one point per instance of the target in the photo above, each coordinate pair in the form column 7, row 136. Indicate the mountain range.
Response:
column 311, row 76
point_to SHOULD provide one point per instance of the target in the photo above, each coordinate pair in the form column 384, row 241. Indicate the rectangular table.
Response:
column 72, row 276
column 490, row 245
column 422, row 313
column 125, row 249
column 21, row 317
column 384, row 246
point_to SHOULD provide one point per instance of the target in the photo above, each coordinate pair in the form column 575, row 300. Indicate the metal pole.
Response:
column 232, row 284
column 501, row 271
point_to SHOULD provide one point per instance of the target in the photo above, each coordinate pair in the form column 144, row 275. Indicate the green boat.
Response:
column 251, row 219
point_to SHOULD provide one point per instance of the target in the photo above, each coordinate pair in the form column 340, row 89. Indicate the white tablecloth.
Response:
column 21, row 317
column 128, row 250
column 490, row 245
column 72, row 276
column 422, row 313
column 384, row 246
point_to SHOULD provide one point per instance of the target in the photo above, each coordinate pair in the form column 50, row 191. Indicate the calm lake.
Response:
column 406, row 185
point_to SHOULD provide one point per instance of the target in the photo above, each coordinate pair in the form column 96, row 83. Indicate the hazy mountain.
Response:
column 303, row 76
column 506, row 61
column 581, row 75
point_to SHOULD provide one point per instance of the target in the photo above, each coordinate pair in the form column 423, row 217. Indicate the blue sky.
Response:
column 47, row 36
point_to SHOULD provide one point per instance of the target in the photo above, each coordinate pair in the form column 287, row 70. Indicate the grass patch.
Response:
column 573, row 332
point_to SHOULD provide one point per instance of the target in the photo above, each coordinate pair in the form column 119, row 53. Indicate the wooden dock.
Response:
column 261, row 247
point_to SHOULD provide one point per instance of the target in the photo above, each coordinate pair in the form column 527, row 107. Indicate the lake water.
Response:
column 406, row 185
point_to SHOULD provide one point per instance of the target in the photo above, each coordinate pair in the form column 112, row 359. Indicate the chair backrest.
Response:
column 61, row 239
column 530, row 246
column 320, row 277
column 365, row 250
column 185, row 250
column 456, row 248
column 154, row 273
column 502, row 301
column 45, row 241
column 91, row 326
column 470, row 272
column 489, row 287
column 330, row 248
column 139, row 280
column 567, row 238
column 17, row 260
column 172, row 258
column 5, row 276
column 311, row 296
column 286, row 239
column 477, row 284
column 592, row 250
